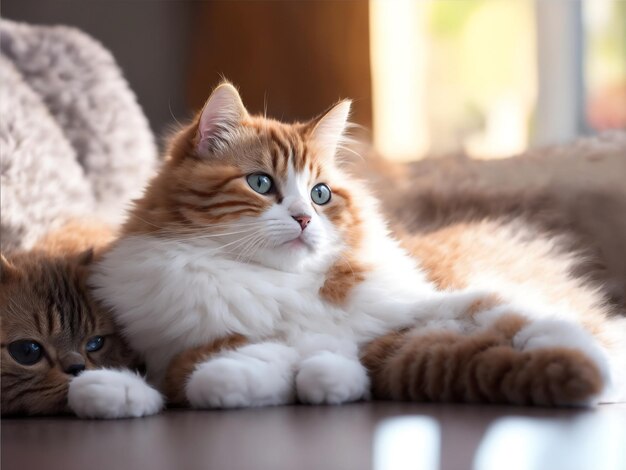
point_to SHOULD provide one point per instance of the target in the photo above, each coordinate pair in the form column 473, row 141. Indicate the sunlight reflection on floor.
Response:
column 591, row 441
column 411, row 442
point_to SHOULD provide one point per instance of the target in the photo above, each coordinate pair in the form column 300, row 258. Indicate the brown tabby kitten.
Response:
column 51, row 329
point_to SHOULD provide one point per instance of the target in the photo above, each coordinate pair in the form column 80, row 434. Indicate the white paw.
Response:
column 551, row 333
column 255, row 375
column 108, row 393
column 331, row 379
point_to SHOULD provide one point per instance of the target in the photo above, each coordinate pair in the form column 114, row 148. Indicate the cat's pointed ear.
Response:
column 8, row 272
column 221, row 116
column 328, row 129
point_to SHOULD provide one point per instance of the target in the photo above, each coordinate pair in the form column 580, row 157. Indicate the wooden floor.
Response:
column 382, row 436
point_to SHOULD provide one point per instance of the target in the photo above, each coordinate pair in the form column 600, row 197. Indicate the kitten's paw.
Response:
column 331, row 379
column 255, row 375
column 109, row 394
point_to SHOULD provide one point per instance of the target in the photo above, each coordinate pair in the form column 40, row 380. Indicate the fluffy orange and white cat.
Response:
column 255, row 271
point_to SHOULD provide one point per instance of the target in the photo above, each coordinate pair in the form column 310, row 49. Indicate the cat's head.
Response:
column 252, row 187
column 50, row 331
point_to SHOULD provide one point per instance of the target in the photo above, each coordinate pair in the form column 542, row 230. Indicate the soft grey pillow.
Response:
column 73, row 137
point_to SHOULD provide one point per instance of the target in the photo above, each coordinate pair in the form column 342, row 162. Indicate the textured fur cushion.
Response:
column 74, row 141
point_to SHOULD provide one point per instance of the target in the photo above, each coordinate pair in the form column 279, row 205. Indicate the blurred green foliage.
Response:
column 447, row 17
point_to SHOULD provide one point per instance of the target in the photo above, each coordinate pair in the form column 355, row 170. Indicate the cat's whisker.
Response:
column 204, row 229
column 169, row 106
column 345, row 148
column 244, row 245
column 210, row 236
column 253, row 246
column 193, row 234
column 216, row 235
column 264, row 243
column 235, row 242
column 216, row 249
column 259, row 245
column 148, row 222
column 177, row 227
column 249, row 247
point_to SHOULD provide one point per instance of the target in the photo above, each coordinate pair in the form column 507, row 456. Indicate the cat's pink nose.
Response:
column 303, row 220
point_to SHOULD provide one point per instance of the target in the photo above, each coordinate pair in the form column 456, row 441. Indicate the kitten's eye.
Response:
column 260, row 182
column 94, row 344
column 26, row 352
column 321, row 194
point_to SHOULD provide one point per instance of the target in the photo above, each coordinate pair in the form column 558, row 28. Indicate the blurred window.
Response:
column 605, row 60
column 490, row 78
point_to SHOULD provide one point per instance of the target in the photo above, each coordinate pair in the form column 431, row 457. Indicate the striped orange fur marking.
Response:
column 340, row 279
column 482, row 367
column 347, row 272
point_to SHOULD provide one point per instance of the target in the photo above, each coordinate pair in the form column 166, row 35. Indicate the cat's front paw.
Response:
column 110, row 394
column 329, row 378
column 255, row 375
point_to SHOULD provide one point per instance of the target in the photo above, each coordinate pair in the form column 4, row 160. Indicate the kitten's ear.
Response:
column 8, row 272
column 328, row 129
column 220, row 117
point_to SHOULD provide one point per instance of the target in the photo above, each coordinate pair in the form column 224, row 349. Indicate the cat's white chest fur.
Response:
column 169, row 296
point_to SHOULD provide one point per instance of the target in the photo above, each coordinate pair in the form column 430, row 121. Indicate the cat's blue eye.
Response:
column 321, row 194
column 94, row 344
column 260, row 182
column 26, row 352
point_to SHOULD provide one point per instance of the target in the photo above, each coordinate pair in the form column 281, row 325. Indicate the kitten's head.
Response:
column 252, row 187
column 50, row 331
